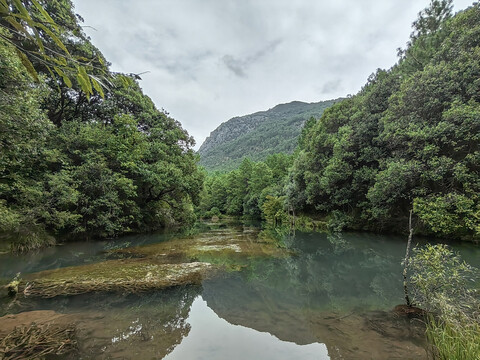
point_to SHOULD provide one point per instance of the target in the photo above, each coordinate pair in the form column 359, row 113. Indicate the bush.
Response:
column 445, row 285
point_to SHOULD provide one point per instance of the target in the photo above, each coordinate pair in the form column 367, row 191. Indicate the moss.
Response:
column 175, row 262
column 215, row 244
column 127, row 275
column 12, row 288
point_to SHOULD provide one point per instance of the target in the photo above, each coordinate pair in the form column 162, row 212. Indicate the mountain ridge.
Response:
column 258, row 135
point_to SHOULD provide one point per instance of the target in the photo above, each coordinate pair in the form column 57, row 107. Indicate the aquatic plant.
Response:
column 453, row 340
column 37, row 341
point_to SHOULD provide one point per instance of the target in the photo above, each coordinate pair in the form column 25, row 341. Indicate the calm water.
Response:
column 332, row 299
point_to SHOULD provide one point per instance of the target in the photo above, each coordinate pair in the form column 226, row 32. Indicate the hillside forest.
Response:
column 258, row 135
column 408, row 140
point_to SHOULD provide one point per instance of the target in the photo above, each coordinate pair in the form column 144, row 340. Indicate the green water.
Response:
column 330, row 299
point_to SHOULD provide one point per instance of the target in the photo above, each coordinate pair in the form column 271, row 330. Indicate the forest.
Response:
column 84, row 153
column 410, row 139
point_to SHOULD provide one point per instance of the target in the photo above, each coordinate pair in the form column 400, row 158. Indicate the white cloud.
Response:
column 210, row 60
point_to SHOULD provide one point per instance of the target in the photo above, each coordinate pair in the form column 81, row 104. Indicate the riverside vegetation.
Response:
column 86, row 155
column 77, row 163
column 410, row 139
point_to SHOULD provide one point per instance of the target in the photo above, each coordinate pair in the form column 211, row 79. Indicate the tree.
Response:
column 110, row 166
column 273, row 210
column 39, row 40
column 409, row 138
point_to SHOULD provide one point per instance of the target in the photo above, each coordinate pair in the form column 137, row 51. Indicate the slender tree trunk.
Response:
column 405, row 263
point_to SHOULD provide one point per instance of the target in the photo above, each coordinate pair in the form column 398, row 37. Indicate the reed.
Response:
column 453, row 339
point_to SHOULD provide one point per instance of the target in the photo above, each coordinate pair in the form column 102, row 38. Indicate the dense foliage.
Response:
column 248, row 190
column 258, row 135
column 409, row 139
column 87, row 165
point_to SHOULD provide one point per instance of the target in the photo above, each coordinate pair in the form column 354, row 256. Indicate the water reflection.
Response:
column 132, row 327
column 214, row 338
column 331, row 298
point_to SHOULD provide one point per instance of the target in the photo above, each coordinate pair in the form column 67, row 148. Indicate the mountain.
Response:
column 258, row 135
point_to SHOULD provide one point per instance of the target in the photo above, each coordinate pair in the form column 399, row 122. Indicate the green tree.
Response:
column 112, row 164
column 410, row 137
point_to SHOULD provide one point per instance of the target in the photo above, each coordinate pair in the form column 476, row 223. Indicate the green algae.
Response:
column 180, row 261
column 125, row 275
column 214, row 246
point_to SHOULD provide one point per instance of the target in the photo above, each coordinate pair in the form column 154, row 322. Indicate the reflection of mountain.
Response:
column 363, row 335
column 214, row 338
column 323, row 295
column 241, row 303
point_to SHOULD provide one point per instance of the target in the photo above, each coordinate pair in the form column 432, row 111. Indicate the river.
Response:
column 331, row 298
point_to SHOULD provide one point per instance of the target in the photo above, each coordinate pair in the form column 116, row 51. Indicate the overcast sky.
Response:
column 211, row 60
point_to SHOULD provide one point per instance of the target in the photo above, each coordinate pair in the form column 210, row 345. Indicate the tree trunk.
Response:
column 405, row 263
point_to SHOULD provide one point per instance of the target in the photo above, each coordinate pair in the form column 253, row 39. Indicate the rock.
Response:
column 409, row 311
column 125, row 275
column 8, row 323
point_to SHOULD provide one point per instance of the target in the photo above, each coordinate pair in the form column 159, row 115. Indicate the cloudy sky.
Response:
column 211, row 60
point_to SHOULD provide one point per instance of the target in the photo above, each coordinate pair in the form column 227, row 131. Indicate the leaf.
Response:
column 18, row 4
column 84, row 81
column 97, row 86
column 65, row 78
column 19, row 27
column 62, row 61
column 57, row 41
column 82, row 58
column 4, row 7
column 28, row 65
column 53, row 77
column 45, row 14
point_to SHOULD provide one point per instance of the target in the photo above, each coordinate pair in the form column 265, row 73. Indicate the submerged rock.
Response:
column 409, row 311
column 125, row 275
column 176, row 262
column 214, row 247
column 36, row 334
column 8, row 323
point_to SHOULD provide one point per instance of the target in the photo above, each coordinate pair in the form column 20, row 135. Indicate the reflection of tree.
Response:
column 320, row 294
column 331, row 271
column 327, row 273
column 146, row 326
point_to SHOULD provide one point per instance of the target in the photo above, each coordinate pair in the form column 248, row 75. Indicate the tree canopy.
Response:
column 410, row 139
column 82, row 164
